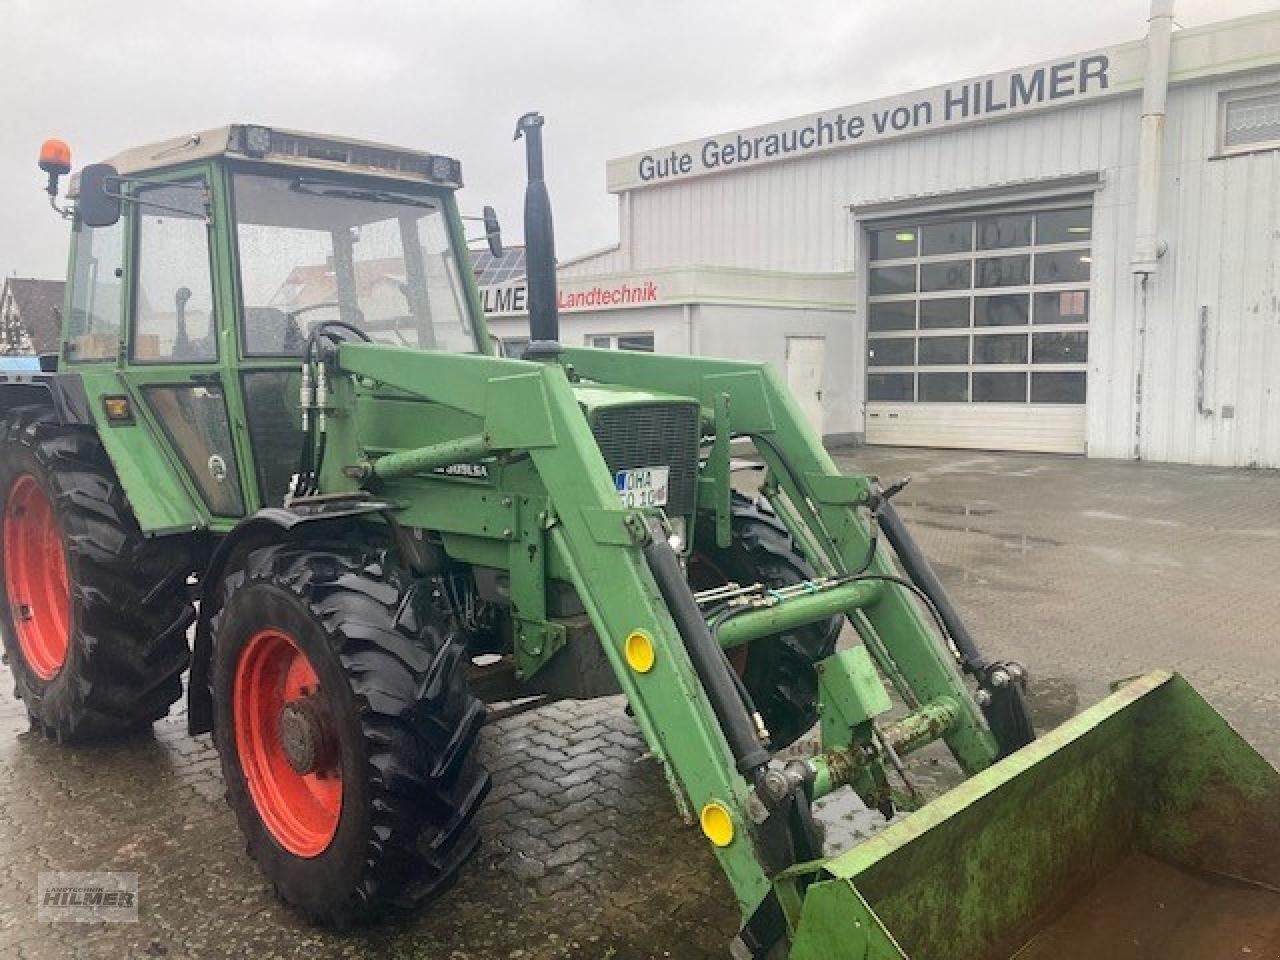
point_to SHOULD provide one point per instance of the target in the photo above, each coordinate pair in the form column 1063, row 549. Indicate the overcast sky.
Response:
column 612, row 78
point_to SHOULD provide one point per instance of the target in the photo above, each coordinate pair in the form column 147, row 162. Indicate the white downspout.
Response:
column 624, row 231
column 1147, row 246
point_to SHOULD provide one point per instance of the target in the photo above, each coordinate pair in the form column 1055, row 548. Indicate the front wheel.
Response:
column 346, row 727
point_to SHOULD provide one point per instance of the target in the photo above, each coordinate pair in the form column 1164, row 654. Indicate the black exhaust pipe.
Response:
column 539, row 247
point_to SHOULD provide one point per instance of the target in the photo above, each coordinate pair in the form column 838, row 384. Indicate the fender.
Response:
column 268, row 526
column 161, row 501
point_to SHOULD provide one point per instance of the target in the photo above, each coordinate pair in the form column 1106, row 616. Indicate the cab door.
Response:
column 178, row 361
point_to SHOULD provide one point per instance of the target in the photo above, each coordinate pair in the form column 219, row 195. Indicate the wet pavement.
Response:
column 1087, row 571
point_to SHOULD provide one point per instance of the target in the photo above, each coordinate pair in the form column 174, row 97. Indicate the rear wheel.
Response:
column 346, row 728
column 778, row 671
column 94, row 615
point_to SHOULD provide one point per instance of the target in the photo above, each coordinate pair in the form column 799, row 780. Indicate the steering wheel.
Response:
column 347, row 312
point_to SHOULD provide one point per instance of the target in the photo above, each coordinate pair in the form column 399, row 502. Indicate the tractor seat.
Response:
column 269, row 331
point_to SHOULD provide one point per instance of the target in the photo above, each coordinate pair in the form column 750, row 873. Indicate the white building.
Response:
column 1080, row 256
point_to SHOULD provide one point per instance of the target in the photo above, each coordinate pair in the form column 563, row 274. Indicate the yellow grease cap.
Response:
column 717, row 824
column 639, row 651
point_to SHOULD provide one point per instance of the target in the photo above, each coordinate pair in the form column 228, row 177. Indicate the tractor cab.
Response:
column 202, row 266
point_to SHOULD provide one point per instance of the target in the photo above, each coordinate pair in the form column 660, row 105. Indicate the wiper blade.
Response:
column 323, row 188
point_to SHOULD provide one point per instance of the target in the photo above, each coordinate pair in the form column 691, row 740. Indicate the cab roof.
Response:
column 293, row 148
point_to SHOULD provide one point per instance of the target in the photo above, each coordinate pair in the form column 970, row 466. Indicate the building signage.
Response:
column 510, row 298
column 1014, row 92
column 504, row 298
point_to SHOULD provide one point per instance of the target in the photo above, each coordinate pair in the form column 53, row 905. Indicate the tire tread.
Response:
column 130, row 609
column 409, row 676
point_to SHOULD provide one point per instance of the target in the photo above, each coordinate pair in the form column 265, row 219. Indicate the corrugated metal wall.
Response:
column 793, row 216
column 610, row 260
column 1221, row 218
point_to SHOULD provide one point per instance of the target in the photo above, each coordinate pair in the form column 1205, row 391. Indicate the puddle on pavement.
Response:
column 953, row 509
column 1149, row 561
column 1017, row 541
column 1107, row 515
column 1146, row 908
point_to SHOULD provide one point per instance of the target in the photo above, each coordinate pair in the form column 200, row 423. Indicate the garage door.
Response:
column 977, row 330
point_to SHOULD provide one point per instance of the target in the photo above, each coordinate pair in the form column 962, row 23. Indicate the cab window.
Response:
column 314, row 250
column 93, row 328
column 173, row 318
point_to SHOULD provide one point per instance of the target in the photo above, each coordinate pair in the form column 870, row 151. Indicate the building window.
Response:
column 642, row 342
column 1250, row 120
column 992, row 308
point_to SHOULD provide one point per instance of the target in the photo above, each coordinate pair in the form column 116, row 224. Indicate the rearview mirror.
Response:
column 99, row 200
column 493, row 232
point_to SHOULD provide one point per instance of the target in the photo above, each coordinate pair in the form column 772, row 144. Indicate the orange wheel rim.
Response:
column 35, row 577
column 285, row 741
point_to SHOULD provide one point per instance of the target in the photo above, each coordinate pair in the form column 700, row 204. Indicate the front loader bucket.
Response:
column 1143, row 828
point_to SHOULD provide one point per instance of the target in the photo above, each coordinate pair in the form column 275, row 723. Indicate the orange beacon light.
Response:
column 55, row 160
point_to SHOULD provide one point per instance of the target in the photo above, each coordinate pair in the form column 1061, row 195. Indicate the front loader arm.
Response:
column 599, row 545
column 821, row 508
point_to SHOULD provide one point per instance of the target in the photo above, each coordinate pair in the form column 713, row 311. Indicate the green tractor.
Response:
column 276, row 402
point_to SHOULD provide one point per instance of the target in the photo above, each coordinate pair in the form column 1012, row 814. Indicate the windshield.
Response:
column 313, row 250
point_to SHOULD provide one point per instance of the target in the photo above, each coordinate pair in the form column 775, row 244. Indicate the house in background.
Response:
column 30, row 316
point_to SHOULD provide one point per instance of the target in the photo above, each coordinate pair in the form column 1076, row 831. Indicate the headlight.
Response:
column 257, row 141
column 677, row 538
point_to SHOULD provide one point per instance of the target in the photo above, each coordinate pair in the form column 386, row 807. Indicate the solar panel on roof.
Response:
column 491, row 270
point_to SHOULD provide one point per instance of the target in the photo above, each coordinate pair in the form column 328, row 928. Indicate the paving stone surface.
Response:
column 1087, row 571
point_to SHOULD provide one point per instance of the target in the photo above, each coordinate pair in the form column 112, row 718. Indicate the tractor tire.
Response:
column 778, row 671
column 94, row 615
column 346, row 728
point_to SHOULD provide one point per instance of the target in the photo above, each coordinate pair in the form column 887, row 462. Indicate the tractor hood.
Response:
column 593, row 397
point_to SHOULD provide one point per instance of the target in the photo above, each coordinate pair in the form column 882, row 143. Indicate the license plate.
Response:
column 643, row 486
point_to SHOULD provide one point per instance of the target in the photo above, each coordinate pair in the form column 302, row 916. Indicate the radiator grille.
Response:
column 660, row 435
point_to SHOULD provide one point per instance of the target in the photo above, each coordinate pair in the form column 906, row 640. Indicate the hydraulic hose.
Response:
column 921, row 574
column 310, row 460
column 707, row 657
